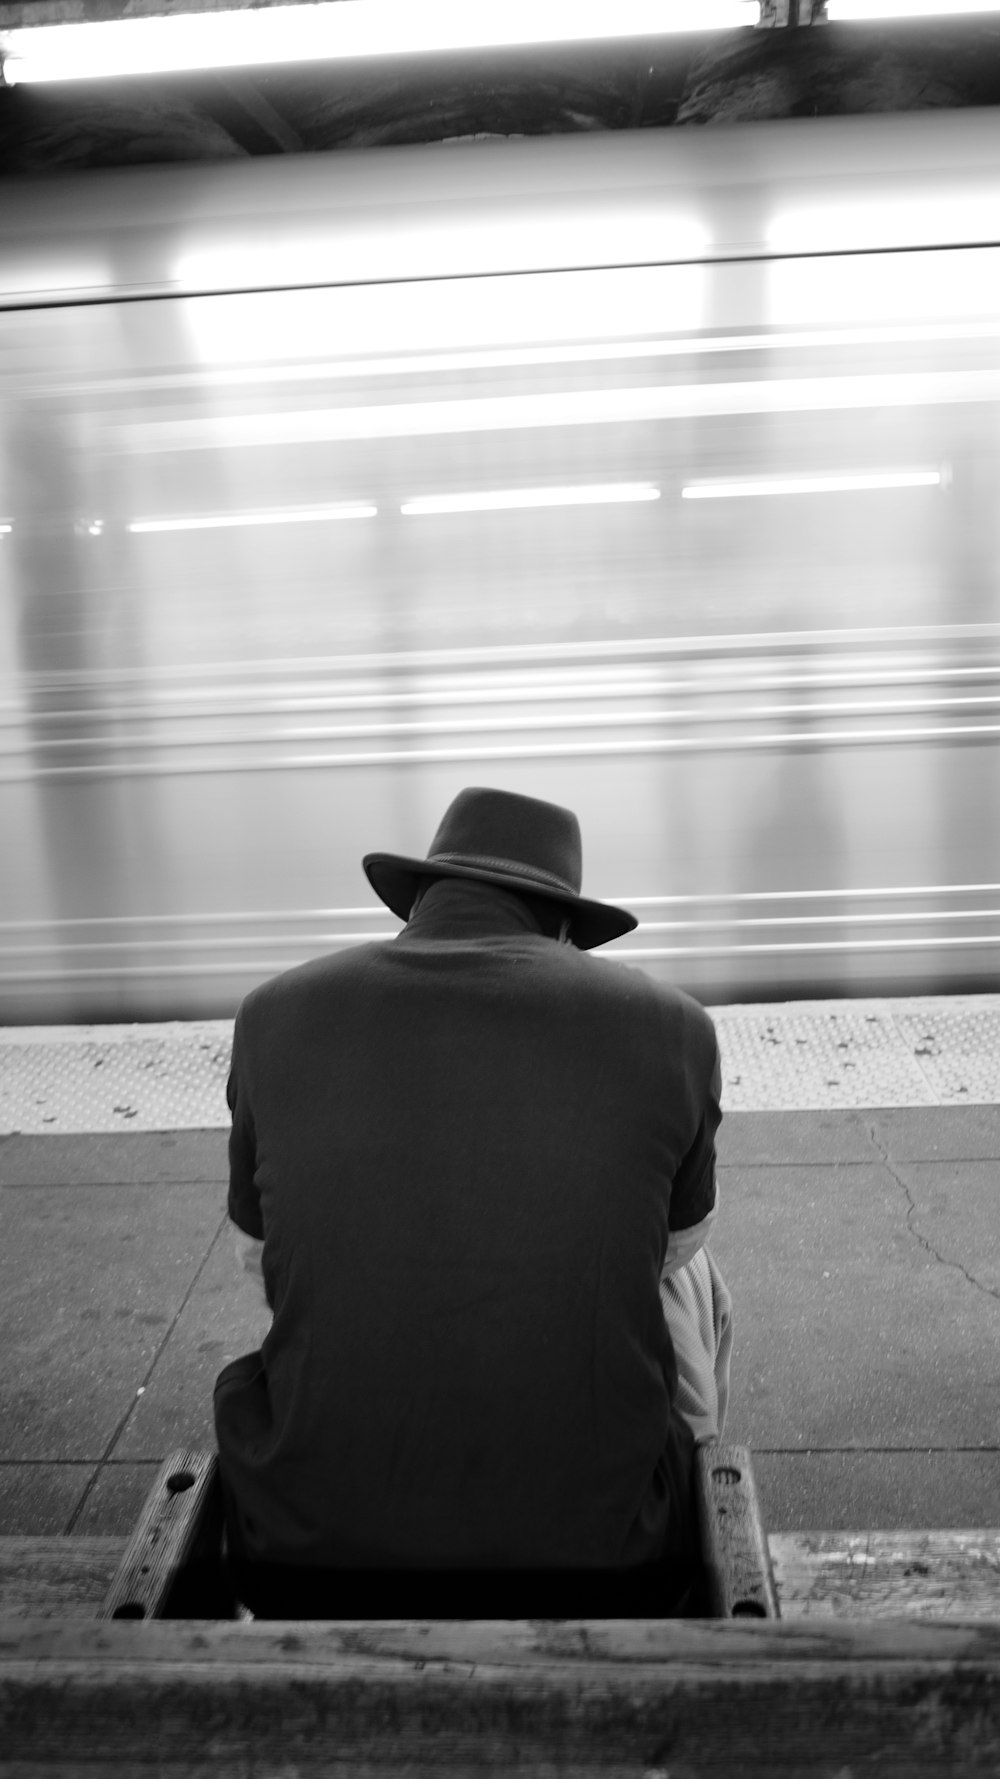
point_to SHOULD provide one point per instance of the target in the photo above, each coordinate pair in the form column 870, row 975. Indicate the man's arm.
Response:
column 694, row 1198
column 244, row 1198
column 684, row 1244
column 250, row 1261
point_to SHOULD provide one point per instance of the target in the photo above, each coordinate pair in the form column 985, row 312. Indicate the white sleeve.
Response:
column 249, row 1258
column 683, row 1244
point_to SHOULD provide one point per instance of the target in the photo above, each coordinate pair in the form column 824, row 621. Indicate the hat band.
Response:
column 483, row 861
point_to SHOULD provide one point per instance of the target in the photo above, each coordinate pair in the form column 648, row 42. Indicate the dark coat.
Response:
column 463, row 1150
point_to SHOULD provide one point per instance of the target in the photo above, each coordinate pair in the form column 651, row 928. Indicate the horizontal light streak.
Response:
column 507, row 499
column 603, row 656
column 225, row 702
column 306, row 941
column 299, row 941
column 815, row 947
column 905, row 9
column 784, row 395
column 620, row 948
column 349, row 29
column 231, row 917
column 867, row 226
column 526, row 723
column 844, row 892
column 795, row 741
column 512, row 499
column 876, row 917
column 5, row 528
column 849, row 483
column 100, row 972
column 327, row 916
column 415, row 363
column 276, row 516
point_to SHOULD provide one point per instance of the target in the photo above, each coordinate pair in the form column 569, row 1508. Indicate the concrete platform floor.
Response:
column 862, row 1247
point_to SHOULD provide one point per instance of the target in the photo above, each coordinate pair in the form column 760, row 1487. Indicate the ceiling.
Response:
column 821, row 70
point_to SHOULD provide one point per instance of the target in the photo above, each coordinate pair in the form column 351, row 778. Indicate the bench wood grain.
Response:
column 922, row 1574
column 56, row 1577
column 705, row 1698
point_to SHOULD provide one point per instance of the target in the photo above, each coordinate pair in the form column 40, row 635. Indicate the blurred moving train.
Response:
column 653, row 473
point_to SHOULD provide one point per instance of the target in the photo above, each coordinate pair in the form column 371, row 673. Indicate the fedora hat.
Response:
column 517, row 842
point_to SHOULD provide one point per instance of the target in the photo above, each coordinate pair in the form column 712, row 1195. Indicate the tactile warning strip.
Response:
column 802, row 1055
column 81, row 1078
column 935, row 1051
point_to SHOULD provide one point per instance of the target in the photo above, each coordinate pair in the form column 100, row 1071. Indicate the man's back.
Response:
column 459, row 1148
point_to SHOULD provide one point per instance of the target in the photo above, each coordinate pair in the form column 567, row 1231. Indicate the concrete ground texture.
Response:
column 862, row 1247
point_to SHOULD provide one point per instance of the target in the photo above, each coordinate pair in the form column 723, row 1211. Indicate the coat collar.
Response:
column 455, row 908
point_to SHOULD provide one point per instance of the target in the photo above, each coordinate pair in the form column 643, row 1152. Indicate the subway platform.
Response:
column 859, row 1230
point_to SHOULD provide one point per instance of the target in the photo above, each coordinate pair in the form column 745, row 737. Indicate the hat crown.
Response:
column 519, row 843
column 505, row 832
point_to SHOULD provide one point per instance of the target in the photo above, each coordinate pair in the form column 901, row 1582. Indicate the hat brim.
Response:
column 396, row 881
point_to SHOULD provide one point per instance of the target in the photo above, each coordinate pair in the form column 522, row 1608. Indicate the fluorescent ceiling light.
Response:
column 268, row 35
column 5, row 529
column 503, row 499
column 278, row 516
column 904, row 9
column 846, row 484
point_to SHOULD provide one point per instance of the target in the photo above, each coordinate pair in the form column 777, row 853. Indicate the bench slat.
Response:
column 734, row 1544
column 577, row 1698
column 925, row 1574
column 173, row 1558
column 56, row 1577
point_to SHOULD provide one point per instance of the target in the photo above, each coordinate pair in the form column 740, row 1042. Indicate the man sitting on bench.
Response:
column 477, row 1168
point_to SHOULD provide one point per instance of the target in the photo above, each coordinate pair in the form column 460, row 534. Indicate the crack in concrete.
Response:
column 883, row 1155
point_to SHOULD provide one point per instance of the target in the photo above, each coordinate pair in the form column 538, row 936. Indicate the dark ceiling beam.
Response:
column 780, row 70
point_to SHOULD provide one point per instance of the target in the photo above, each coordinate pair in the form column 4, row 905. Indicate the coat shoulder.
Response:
column 299, row 985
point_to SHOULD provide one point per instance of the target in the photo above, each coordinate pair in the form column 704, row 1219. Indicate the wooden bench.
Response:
column 936, row 1575
column 646, row 1698
column 631, row 1699
column 172, row 1567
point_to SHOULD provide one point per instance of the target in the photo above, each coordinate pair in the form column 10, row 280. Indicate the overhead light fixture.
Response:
column 904, row 9
column 837, row 484
column 276, row 516
column 508, row 499
column 344, row 30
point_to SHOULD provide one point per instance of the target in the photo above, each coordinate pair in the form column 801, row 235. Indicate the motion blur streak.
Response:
column 508, row 499
column 844, row 484
column 591, row 407
column 778, row 718
column 288, row 516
